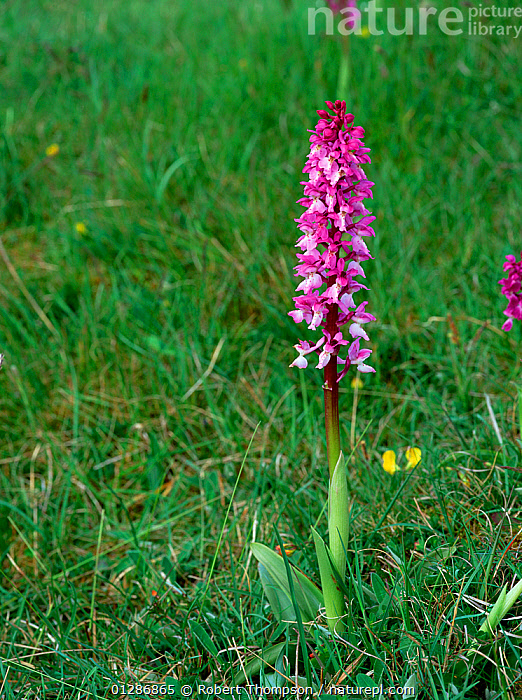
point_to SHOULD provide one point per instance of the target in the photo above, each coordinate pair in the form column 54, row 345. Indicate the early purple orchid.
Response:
column 512, row 289
column 333, row 228
column 332, row 246
column 333, row 200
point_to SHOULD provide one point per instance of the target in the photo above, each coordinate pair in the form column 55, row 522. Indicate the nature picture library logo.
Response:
column 369, row 19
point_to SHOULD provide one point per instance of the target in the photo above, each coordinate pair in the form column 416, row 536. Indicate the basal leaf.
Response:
column 308, row 597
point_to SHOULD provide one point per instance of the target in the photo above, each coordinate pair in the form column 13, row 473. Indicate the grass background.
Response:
column 146, row 348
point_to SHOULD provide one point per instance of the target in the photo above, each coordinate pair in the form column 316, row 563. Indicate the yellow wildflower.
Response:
column 52, row 150
column 365, row 32
column 413, row 455
column 388, row 462
column 80, row 227
column 357, row 383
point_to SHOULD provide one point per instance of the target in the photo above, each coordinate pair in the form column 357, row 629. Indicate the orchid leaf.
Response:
column 338, row 515
column 308, row 596
column 333, row 596
column 280, row 601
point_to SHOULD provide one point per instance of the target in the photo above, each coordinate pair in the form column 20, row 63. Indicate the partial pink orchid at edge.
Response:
column 511, row 288
column 337, row 7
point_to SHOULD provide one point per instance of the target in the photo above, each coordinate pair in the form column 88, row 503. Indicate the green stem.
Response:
column 331, row 394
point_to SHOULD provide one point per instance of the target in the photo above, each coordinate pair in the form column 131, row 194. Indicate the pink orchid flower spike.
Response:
column 333, row 227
